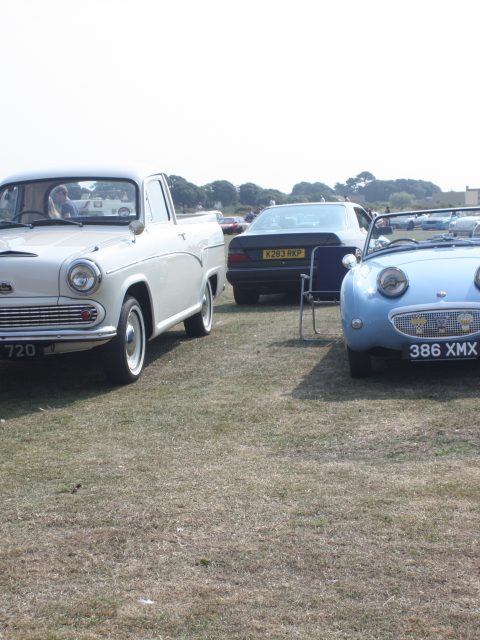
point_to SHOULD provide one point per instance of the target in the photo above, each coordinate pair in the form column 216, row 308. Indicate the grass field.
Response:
column 244, row 488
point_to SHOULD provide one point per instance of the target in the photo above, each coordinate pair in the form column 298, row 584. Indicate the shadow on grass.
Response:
column 67, row 378
column 266, row 304
column 391, row 379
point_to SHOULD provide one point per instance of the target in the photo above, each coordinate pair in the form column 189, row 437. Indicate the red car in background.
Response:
column 233, row 225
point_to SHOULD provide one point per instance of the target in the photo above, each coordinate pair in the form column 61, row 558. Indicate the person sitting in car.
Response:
column 68, row 209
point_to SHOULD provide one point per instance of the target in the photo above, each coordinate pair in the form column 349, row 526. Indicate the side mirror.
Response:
column 136, row 227
column 349, row 261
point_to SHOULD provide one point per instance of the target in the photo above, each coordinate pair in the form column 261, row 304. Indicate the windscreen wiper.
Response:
column 47, row 222
column 10, row 224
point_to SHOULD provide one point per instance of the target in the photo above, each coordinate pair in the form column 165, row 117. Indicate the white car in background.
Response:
column 465, row 225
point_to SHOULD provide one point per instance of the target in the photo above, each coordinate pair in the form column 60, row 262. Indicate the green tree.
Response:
column 312, row 191
column 401, row 200
column 185, row 194
column 354, row 185
column 381, row 190
column 249, row 193
column 221, row 191
column 265, row 196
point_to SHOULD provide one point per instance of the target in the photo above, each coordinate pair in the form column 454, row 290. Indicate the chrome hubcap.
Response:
column 206, row 309
column 134, row 341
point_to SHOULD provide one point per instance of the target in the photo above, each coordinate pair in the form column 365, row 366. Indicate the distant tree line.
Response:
column 364, row 186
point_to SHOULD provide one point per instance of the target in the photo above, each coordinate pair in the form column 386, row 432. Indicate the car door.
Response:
column 178, row 270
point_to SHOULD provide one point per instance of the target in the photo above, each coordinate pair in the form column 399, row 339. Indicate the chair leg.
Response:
column 301, row 313
column 314, row 318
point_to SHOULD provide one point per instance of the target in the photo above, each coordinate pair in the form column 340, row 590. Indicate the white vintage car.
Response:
column 99, row 259
column 467, row 224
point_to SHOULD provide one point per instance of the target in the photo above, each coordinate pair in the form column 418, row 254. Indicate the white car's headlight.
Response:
column 392, row 282
column 84, row 276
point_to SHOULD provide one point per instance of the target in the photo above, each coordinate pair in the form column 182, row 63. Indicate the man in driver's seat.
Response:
column 68, row 209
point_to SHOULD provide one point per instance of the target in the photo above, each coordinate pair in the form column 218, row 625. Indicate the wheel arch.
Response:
column 140, row 291
column 213, row 279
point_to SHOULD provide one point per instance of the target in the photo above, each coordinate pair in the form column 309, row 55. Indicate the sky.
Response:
column 273, row 92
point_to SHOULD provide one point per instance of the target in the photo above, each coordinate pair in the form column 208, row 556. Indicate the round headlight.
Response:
column 84, row 276
column 477, row 278
column 392, row 282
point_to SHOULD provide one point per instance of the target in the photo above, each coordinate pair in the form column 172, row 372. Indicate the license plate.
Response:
column 282, row 254
column 20, row 351
column 452, row 350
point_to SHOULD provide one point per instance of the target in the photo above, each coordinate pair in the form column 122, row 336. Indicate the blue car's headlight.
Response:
column 392, row 282
column 477, row 278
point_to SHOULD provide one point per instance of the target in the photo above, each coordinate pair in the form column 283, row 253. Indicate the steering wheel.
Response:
column 20, row 215
column 403, row 240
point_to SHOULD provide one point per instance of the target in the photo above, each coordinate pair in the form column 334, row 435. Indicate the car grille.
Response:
column 452, row 323
column 12, row 317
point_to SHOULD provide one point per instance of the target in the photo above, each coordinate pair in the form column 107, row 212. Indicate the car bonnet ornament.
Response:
column 6, row 287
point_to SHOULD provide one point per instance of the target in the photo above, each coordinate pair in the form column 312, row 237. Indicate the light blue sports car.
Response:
column 414, row 294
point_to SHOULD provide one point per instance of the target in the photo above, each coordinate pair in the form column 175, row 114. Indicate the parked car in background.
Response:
column 414, row 296
column 465, row 225
column 109, row 274
column 271, row 255
column 420, row 219
column 439, row 220
column 233, row 225
column 403, row 222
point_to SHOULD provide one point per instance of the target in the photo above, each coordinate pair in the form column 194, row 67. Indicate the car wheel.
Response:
column 201, row 323
column 245, row 296
column 359, row 363
column 410, row 225
column 123, row 357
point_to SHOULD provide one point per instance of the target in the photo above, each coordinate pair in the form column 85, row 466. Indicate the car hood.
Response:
column 57, row 240
column 31, row 259
column 449, row 270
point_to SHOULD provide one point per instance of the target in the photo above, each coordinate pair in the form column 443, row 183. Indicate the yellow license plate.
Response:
column 282, row 254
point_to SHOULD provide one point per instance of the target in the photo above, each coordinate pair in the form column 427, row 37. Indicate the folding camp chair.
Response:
column 322, row 283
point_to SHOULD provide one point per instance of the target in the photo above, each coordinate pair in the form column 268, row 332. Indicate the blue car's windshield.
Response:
column 403, row 231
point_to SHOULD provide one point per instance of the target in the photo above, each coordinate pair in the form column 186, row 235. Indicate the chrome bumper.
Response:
column 62, row 335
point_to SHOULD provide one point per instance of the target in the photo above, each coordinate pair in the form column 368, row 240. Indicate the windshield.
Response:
column 328, row 217
column 410, row 230
column 85, row 201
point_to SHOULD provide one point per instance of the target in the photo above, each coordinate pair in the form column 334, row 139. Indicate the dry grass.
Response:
column 245, row 488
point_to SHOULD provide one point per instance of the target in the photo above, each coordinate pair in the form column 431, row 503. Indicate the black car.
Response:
column 275, row 250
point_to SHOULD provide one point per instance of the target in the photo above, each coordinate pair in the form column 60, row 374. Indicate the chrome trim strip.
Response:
column 70, row 335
